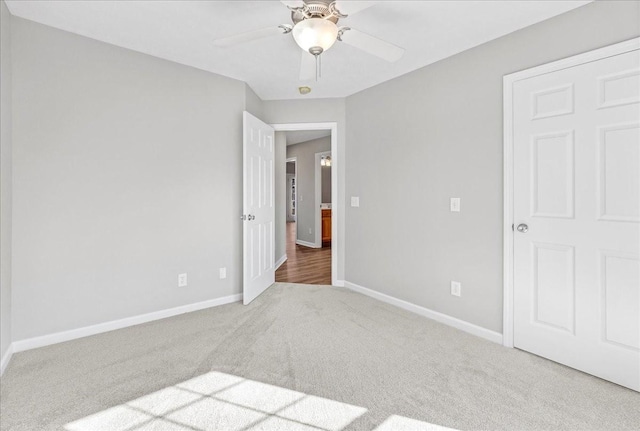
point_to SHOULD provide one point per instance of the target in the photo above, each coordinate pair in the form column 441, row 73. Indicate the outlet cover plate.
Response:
column 182, row 280
column 456, row 288
column 455, row 205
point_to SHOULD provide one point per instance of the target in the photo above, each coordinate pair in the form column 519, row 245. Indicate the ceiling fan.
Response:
column 315, row 29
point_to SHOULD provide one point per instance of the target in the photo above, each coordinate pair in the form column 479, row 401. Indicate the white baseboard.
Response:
column 307, row 244
column 280, row 261
column 339, row 283
column 5, row 359
column 59, row 337
column 434, row 315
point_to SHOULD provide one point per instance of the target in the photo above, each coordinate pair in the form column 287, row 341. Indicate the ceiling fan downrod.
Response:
column 316, row 51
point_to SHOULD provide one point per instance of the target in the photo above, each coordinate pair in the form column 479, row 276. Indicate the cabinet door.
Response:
column 326, row 225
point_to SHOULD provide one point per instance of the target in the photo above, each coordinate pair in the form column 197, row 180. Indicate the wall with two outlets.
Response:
column 418, row 140
column 127, row 172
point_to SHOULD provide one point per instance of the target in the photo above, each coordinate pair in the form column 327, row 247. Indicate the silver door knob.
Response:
column 523, row 228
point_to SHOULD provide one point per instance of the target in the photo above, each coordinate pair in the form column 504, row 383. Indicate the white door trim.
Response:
column 335, row 194
column 318, row 196
column 508, row 236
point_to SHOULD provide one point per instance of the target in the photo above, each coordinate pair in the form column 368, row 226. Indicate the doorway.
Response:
column 291, row 189
column 309, row 204
column 324, row 218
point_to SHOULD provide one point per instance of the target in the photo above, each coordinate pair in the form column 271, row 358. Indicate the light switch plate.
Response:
column 456, row 288
column 355, row 201
column 455, row 205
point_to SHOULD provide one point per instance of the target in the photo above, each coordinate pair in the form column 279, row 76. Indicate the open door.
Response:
column 258, row 207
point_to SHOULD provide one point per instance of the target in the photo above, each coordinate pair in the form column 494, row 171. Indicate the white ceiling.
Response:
column 183, row 31
column 305, row 135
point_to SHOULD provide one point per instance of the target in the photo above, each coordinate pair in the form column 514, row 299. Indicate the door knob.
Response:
column 523, row 228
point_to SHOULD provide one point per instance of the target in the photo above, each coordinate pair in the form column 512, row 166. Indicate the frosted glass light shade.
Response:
column 315, row 32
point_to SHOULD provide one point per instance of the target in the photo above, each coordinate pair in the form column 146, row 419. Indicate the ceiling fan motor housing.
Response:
column 324, row 9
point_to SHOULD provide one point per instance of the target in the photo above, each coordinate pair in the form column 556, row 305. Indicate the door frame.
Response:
column 318, row 195
column 335, row 193
column 508, row 221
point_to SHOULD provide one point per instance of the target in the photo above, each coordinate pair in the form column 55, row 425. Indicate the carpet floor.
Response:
column 301, row 357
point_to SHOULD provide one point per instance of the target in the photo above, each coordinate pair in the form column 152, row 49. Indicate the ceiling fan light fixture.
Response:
column 315, row 35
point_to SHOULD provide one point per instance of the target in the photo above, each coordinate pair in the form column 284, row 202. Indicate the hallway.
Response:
column 304, row 264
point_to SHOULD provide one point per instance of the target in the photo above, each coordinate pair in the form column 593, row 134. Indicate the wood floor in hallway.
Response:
column 304, row 264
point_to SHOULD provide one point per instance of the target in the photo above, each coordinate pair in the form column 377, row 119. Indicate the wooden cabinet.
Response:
column 326, row 226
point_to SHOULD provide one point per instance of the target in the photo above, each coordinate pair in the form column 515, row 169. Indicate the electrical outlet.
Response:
column 223, row 273
column 182, row 280
column 355, row 201
column 456, row 288
column 455, row 205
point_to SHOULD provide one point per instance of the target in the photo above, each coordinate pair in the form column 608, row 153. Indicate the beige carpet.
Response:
column 301, row 357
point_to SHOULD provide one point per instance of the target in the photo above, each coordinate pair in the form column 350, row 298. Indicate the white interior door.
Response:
column 258, row 207
column 576, row 135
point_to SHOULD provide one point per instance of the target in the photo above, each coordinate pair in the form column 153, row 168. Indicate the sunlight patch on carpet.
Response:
column 219, row 401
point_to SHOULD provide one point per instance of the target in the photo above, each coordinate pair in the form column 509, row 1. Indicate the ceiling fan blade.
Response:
column 372, row 45
column 307, row 67
column 249, row 36
column 350, row 7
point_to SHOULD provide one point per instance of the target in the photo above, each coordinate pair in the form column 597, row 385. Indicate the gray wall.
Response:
column 305, row 153
column 253, row 104
column 436, row 133
column 5, row 179
column 280, row 178
column 127, row 171
column 325, row 172
column 316, row 111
